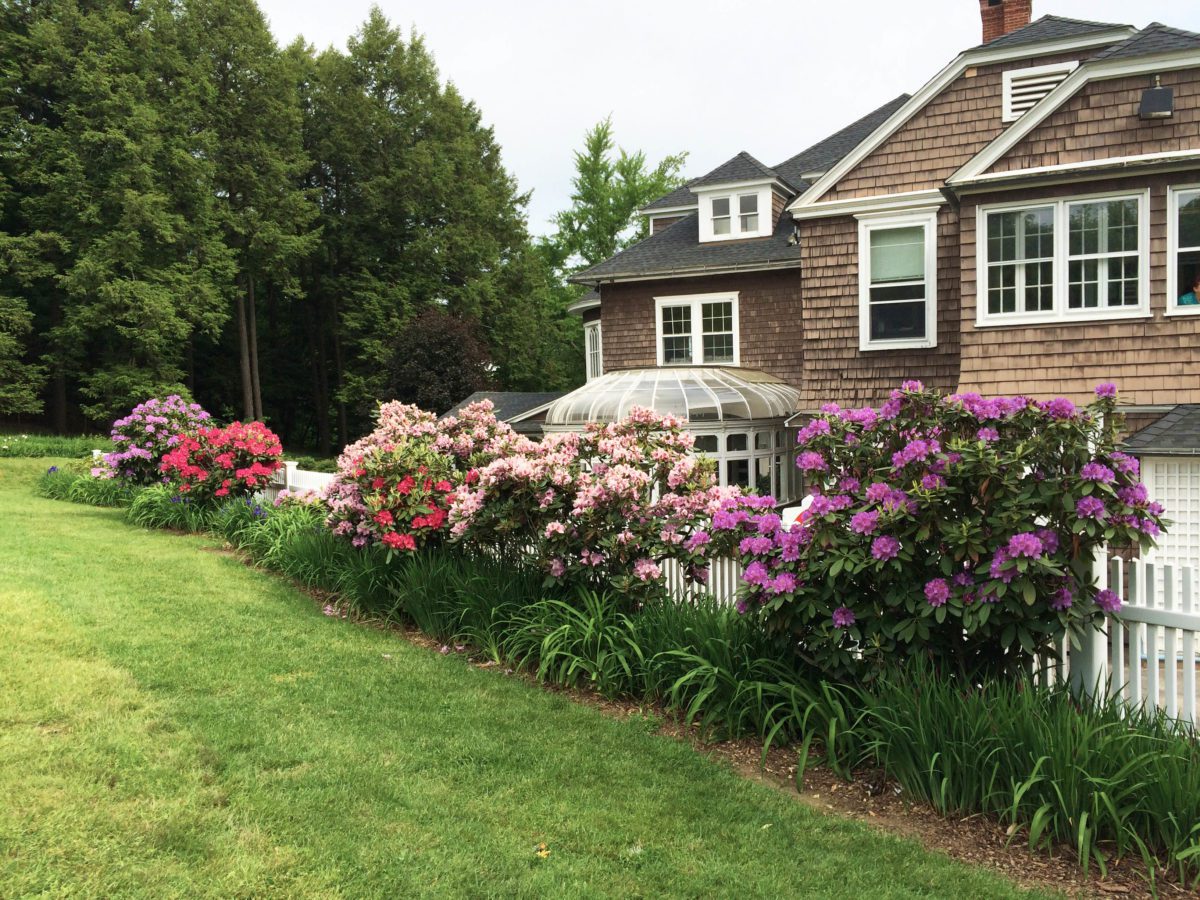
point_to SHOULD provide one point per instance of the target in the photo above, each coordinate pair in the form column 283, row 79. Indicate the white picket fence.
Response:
column 293, row 478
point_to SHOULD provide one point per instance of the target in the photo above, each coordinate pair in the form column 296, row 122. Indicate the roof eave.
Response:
column 687, row 272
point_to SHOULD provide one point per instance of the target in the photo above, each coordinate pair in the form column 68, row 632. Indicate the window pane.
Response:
column 1002, row 289
column 1084, row 228
column 676, row 319
column 1189, row 220
column 749, row 223
column 677, row 350
column 1002, row 236
column 718, row 348
column 898, row 292
column 1039, row 287
column 1038, row 228
column 762, row 475
column 720, row 206
column 1122, row 226
column 898, row 254
column 762, row 440
column 1123, row 281
column 1187, row 271
column 1083, row 283
column 748, row 203
column 736, row 443
column 721, row 226
column 893, row 321
column 706, row 443
column 738, row 472
column 717, row 316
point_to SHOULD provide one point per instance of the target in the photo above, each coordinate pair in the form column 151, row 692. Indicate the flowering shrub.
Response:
column 394, row 486
column 144, row 436
column 224, row 462
column 957, row 527
column 603, row 508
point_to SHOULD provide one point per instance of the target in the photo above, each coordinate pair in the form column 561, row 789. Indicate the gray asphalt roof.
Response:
column 1175, row 434
column 742, row 167
column 510, row 404
column 678, row 248
column 1154, row 38
column 1049, row 28
column 681, row 196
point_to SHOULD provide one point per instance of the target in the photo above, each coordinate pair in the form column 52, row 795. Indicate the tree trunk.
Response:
column 244, row 354
column 253, row 317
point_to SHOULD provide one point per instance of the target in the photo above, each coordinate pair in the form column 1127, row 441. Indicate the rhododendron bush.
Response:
column 150, row 430
column 604, row 508
column 394, row 486
column 956, row 527
column 215, row 463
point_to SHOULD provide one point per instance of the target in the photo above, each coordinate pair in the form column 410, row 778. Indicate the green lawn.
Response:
column 173, row 723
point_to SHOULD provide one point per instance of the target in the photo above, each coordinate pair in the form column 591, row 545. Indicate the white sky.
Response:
column 705, row 76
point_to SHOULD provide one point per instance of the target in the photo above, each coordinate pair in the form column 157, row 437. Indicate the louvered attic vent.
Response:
column 1023, row 88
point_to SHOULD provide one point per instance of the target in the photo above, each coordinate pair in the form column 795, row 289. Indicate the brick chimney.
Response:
column 1002, row 16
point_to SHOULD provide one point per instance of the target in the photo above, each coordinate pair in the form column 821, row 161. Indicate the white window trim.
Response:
column 764, row 191
column 587, row 351
column 1060, row 314
column 1173, row 307
column 866, row 224
column 696, row 301
column 1063, row 68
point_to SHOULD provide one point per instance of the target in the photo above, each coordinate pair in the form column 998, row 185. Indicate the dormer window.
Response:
column 720, row 215
column 748, row 208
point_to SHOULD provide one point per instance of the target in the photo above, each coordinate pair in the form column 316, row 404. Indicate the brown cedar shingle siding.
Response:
column 835, row 370
column 934, row 143
column 768, row 319
column 661, row 223
column 1152, row 360
column 1102, row 121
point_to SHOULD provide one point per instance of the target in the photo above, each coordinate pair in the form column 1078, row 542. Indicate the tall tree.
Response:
column 253, row 112
column 20, row 380
column 608, row 190
column 111, row 173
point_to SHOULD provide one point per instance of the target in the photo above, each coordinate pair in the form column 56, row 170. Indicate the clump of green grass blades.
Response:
column 161, row 506
column 68, row 482
column 1089, row 773
column 41, row 445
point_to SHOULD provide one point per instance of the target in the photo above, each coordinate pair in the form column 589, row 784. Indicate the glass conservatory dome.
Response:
column 701, row 395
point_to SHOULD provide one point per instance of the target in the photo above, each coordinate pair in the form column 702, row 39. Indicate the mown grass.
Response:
column 173, row 723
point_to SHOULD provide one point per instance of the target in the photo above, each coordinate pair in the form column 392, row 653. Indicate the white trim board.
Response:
column 936, row 85
column 1114, row 162
column 1086, row 73
column 926, row 218
column 909, row 201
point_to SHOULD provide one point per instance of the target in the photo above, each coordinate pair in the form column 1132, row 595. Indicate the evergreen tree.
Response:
column 20, row 381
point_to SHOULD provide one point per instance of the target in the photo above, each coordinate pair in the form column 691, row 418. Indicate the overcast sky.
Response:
column 711, row 78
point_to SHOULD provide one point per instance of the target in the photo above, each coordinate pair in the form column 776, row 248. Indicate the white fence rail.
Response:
column 293, row 478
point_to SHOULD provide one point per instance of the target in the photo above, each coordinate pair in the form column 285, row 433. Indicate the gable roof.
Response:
column 1175, row 434
column 1049, row 28
column 742, row 167
column 676, row 250
column 1154, row 38
column 681, row 196
column 825, row 153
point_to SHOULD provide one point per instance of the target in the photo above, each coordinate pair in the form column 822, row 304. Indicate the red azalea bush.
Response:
column 393, row 487
column 958, row 528
column 224, row 462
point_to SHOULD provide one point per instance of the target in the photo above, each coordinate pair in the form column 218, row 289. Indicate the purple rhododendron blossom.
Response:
column 937, row 592
column 1060, row 408
column 1095, row 471
column 1107, row 389
column 1090, row 508
column 843, row 617
column 885, row 547
column 1062, row 599
column 755, row 573
column 864, row 522
column 987, row 434
column 1134, row 495
column 1049, row 540
column 811, row 461
column 1125, row 464
column 783, row 583
column 932, row 482
column 1108, row 601
column 1026, row 543
column 877, row 491
column 756, row 546
column 696, row 541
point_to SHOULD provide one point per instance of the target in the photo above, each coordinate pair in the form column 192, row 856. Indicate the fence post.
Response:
column 289, row 474
column 1089, row 662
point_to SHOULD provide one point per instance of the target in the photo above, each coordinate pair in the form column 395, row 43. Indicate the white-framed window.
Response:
column 759, row 458
column 735, row 212
column 697, row 330
column 593, row 350
column 897, row 280
column 1069, row 259
column 1183, row 250
column 1023, row 88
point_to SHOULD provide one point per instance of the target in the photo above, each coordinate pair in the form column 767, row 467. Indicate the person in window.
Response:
column 1192, row 297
